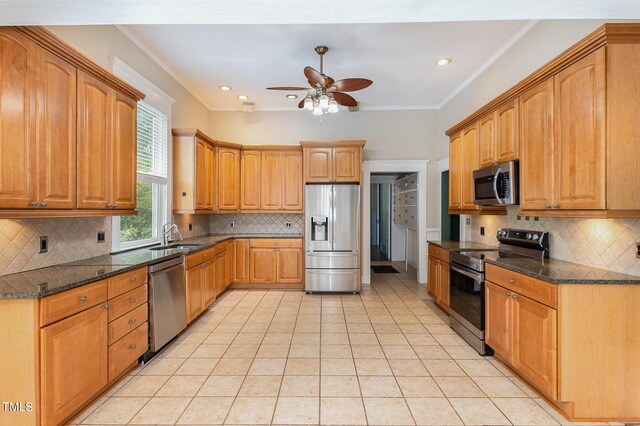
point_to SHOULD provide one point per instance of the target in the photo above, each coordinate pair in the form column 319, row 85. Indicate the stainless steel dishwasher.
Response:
column 167, row 303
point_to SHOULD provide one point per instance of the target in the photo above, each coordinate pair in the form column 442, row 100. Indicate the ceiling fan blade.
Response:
column 289, row 88
column 328, row 81
column 344, row 99
column 313, row 76
column 351, row 84
column 301, row 104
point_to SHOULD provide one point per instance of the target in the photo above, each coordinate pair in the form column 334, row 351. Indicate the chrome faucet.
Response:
column 166, row 232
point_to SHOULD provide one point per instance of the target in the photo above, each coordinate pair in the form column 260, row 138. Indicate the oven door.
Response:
column 466, row 291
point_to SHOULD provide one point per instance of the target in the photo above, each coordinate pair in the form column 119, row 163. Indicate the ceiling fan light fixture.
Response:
column 308, row 103
column 324, row 101
column 333, row 106
column 243, row 97
column 292, row 96
column 317, row 110
column 443, row 61
column 224, row 88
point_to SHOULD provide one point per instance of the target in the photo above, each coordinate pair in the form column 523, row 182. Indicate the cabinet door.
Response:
column 17, row 121
column 220, row 273
column 432, row 283
column 455, row 173
column 497, row 331
column 443, row 285
column 56, row 106
column 580, row 133
column 469, row 164
column 250, row 180
column 209, row 284
column 535, row 343
column 228, row 179
column 94, row 139
column 487, row 140
column 271, row 181
column 73, row 363
column 536, row 147
column 240, row 261
column 262, row 265
column 346, row 164
column 289, row 265
column 507, row 132
column 204, row 175
column 292, row 198
column 228, row 266
column 124, row 152
column 194, row 278
column 318, row 165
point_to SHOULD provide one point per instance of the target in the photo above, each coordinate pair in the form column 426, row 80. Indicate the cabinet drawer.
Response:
column 125, row 282
column 535, row 289
column 439, row 253
column 400, row 216
column 127, row 302
column 411, row 198
column 62, row 305
column 200, row 257
column 220, row 248
column 127, row 350
column 276, row 242
column 399, row 199
column 128, row 322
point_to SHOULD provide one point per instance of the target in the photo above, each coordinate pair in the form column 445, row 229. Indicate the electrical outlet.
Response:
column 100, row 238
column 526, row 218
column 638, row 250
column 536, row 218
column 232, row 224
column 287, row 224
column 482, row 230
column 468, row 221
column 43, row 244
column 519, row 217
column 190, row 227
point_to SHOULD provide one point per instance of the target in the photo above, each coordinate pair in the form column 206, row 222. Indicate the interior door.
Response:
column 346, row 212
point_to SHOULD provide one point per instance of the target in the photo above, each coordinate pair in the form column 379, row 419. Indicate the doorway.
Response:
column 381, row 221
column 450, row 223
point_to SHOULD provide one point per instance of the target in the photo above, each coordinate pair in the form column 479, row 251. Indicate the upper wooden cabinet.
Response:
column 193, row 172
column 572, row 125
column 469, row 164
column 68, row 131
column 228, row 193
column 250, row 180
column 455, row 171
column 327, row 162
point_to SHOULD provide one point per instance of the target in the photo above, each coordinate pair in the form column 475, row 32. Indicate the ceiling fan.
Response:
column 325, row 93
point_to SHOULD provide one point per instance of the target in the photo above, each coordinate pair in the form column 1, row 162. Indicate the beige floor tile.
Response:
column 478, row 411
column 273, row 351
column 277, row 339
column 433, row 411
column 412, row 328
column 300, row 386
column 478, row 368
column 260, row 386
column 337, row 367
column 357, row 319
column 332, row 310
column 182, row 386
column 248, row 338
column 252, row 410
column 392, row 339
column 306, row 339
column 335, row 339
column 459, row 387
column 304, row 351
column 232, row 367
column 379, row 386
column 407, row 367
column 443, row 367
column 255, row 327
column 439, row 329
column 197, row 367
column 142, row 386
column 267, row 367
column 281, row 328
column 363, row 339
column 342, row 411
column 297, row 410
column 373, row 367
column 161, row 410
column 206, row 411
column 419, row 387
column 449, row 339
column 307, row 328
column 524, row 411
column 387, row 411
column 462, row 352
column 386, row 328
column 302, row 367
column 334, row 328
column 367, row 351
column 89, row 410
column 221, row 386
column 499, row 387
column 308, row 319
column 360, row 328
column 210, row 351
column 336, row 351
column 220, row 338
column 431, row 352
column 399, row 352
column 116, row 411
column 161, row 367
column 241, row 351
column 334, row 386
column 421, row 339
column 179, row 350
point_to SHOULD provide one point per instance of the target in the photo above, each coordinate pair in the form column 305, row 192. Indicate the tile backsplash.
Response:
column 602, row 243
column 256, row 223
column 69, row 239
column 199, row 224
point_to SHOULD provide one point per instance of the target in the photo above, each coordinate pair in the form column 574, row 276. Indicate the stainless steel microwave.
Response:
column 496, row 185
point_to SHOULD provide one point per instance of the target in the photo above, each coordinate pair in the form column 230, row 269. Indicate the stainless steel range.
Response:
column 466, row 280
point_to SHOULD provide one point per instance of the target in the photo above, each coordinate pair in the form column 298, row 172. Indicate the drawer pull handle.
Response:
column 34, row 203
column 106, row 306
column 510, row 280
column 514, row 296
column 132, row 321
column 44, row 204
column 132, row 300
column 83, row 298
column 134, row 279
column 133, row 346
column 508, row 293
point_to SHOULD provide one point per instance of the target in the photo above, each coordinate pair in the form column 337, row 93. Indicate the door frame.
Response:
column 394, row 166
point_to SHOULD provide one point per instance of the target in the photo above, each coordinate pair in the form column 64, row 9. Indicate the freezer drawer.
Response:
column 334, row 280
column 332, row 260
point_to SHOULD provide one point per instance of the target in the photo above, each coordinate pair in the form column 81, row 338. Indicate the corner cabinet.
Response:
column 68, row 142
column 194, row 169
column 332, row 162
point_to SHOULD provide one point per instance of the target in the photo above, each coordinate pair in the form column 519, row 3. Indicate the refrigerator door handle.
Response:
column 332, row 203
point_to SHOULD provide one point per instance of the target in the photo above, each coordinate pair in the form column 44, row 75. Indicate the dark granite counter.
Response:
column 461, row 245
column 560, row 272
column 54, row 279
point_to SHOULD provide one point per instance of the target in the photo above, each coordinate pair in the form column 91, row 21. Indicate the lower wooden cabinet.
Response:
column 276, row 261
column 127, row 350
column 262, row 265
column 438, row 282
column 289, row 265
column 210, row 290
column 194, row 281
column 240, row 261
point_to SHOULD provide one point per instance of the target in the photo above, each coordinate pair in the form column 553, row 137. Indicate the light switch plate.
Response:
column 468, row 221
column 232, row 224
column 287, row 224
column 638, row 250
column 100, row 237
column 43, row 244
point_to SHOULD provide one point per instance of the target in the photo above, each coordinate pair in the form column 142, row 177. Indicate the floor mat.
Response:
column 384, row 269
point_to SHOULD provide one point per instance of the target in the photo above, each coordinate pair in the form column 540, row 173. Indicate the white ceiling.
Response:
column 399, row 58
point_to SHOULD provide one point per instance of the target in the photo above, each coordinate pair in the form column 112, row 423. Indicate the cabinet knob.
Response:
column 34, row 203
column 132, row 321
column 510, row 280
column 44, row 204
column 514, row 296
column 508, row 293
column 115, row 206
column 109, row 205
column 132, row 300
column 83, row 298
column 134, row 279
column 554, row 206
column 133, row 346
column 547, row 206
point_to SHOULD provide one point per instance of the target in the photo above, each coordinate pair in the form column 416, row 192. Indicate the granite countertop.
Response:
column 461, row 245
column 54, row 279
column 560, row 272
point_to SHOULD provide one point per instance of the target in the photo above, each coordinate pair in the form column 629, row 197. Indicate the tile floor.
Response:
column 384, row 357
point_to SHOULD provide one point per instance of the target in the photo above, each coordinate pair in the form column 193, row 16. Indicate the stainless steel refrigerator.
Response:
column 332, row 238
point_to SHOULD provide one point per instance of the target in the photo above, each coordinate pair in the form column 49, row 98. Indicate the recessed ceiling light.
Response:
column 291, row 96
column 224, row 88
column 243, row 97
column 443, row 61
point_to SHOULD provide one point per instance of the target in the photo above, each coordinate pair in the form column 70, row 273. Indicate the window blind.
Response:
column 152, row 141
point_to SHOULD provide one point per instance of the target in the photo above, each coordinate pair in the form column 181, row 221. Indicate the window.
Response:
column 151, row 191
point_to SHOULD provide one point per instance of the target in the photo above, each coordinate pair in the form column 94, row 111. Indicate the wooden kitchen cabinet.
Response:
column 487, row 147
column 508, row 136
column 469, row 164
column 318, row 165
column 210, row 285
column 455, row 173
column 240, row 261
column 228, row 180
column 250, row 174
column 498, row 318
column 124, row 153
column 292, row 183
column 438, row 276
column 432, row 283
column 290, row 265
column 262, row 265
column 271, row 181
column 327, row 162
column 276, row 261
column 347, row 164
column 195, row 288
column 204, row 190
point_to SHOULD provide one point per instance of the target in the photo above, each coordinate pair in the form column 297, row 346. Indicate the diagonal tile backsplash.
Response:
column 256, row 223
column 602, row 243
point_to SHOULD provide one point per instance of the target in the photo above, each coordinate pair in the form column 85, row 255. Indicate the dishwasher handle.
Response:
column 165, row 265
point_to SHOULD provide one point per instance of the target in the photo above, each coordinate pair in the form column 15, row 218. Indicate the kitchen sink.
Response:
column 177, row 246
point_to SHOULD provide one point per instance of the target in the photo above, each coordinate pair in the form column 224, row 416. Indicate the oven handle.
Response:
column 476, row 276
column 495, row 185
